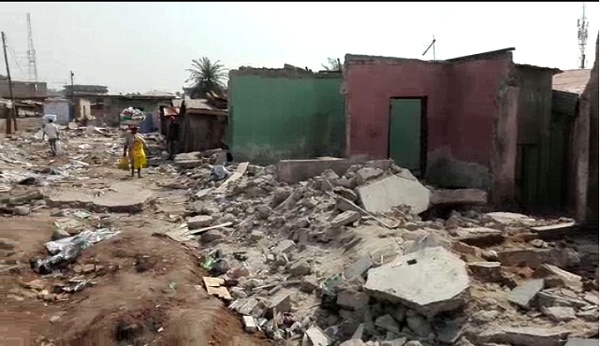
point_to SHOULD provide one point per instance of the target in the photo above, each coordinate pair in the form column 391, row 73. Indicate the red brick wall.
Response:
column 462, row 109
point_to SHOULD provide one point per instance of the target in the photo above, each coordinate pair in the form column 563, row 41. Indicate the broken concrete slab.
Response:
column 419, row 325
column 524, row 294
column 345, row 218
column 511, row 218
column 281, row 302
column 567, row 279
column 284, row 247
column 525, row 336
column 459, row 197
column 479, row 236
column 535, row 257
column 591, row 298
column 382, row 195
column 121, row 197
column 346, row 193
column 554, row 232
column 199, row 221
column 582, row 342
column 438, row 281
column 559, row 313
column 352, row 300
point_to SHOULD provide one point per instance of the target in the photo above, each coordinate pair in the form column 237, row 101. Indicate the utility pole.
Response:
column 72, row 96
column 431, row 45
column 11, row 116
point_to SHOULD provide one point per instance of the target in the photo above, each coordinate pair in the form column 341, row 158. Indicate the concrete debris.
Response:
column 533, row 258
column 365, row 174
column 345, row 218
column 530, row 336
column 199, row 221
column 121, row 197
column 553, row 274
column 419, row 325
column 387, row 323
column 358, row 268
column 479, row 236
column 559, row 313
column 439, row 281
column 250, row 324
column 511, row 218
column 524, row 294
column 317, row 337
column 553, row 232
column 459, row 197
column 384, row 194
column 486, row 271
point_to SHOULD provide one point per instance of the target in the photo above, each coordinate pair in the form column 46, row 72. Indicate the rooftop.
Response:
column 572, row 81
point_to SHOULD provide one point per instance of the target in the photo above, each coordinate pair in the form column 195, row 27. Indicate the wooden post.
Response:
column 11, row 113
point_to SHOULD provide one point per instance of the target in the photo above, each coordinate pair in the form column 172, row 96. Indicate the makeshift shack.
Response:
column 202, row 125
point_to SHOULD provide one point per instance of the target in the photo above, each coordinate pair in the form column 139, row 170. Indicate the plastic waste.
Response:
column 66, row 250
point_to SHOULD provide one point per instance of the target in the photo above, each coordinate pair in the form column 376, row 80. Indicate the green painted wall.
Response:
column 285, row 117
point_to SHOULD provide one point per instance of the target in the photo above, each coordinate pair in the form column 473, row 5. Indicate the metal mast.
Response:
column 31, row 52
column 582, row 35
column 431, row 45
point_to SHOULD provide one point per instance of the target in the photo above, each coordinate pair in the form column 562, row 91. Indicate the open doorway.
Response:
column 407, row 136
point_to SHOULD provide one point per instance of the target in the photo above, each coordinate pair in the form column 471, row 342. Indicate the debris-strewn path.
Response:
column 139, row 288
column 194, row 253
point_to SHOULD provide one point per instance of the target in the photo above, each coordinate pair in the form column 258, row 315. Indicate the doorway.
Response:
column 407, row 138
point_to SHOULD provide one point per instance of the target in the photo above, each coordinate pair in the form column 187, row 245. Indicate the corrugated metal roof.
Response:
column 572, row 81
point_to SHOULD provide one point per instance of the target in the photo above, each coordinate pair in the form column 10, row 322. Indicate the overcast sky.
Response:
column 147, row 46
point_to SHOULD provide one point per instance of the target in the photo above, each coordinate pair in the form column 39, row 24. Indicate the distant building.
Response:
column 81, row 89
column 23, row 90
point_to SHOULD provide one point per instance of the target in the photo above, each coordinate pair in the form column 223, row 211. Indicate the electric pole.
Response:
column 431, row 45
column 11, row 117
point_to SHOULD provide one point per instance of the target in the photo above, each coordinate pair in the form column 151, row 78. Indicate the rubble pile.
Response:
column 347, row 258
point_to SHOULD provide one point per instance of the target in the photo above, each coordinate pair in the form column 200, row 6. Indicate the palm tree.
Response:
column 206, row 76
column 333, row 64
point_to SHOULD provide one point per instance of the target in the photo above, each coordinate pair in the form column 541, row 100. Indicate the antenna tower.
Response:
column 582, row 35
column 32, row 67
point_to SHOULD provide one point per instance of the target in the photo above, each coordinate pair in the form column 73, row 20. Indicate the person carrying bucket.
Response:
column 135, row 148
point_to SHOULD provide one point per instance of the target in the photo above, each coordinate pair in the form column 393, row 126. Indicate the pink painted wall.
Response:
column 370, row 85
column 462, row 108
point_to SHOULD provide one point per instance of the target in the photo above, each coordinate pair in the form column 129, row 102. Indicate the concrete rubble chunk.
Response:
column 353, row 299
column 582, row 342
column 281, row 302
column 284, row 247
column 250, row 324
column 345, row 218
column 555, row 298
column 199, row 221
column 300, row 268
column 511, row 218
column 486, row 271
column 22, row 210
column 554, row 232
column 591, row 298
column 387, row 323
column 438, row 281
column 353, row 342
column 346, row 193
column 524, row 294
column 382, row 195
column 479, row 236
column 365, row 174
column 317, row 337
column 413, row 343
column 525, row 336
column 419, row 325
column 567, row 279
column 534, row 258
column 459, row 197
column 358, row 268
column 590, row 315
column 559, row 313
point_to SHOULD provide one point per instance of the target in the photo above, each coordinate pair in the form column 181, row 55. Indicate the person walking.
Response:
column 53, row 132
column 172, row 137
column 135, row 148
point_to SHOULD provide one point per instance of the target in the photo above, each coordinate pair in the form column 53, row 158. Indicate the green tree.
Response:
column 206, row 76
column 333, row 64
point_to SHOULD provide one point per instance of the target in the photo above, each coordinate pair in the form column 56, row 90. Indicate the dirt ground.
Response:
column 147, row 289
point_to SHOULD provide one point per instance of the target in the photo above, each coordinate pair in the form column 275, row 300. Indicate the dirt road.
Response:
column 147, row 290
